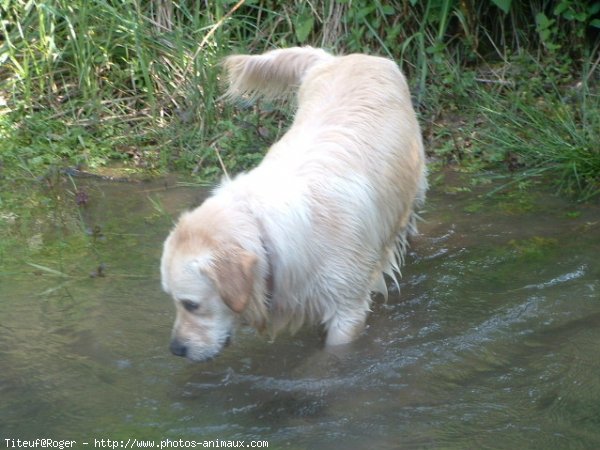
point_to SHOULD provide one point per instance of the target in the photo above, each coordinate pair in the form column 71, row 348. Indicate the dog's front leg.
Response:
column 345, row 326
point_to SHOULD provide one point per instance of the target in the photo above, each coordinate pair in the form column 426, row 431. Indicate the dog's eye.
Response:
column 189, row 305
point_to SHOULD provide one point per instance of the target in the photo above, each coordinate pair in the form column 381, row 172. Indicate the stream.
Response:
column 492, row 342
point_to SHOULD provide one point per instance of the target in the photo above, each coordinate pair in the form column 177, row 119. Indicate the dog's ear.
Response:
column 232, row 271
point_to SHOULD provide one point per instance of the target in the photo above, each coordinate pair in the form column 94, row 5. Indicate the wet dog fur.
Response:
column 307, row 235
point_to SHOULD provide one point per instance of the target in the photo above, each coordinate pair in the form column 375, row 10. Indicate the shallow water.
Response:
column 492, row 342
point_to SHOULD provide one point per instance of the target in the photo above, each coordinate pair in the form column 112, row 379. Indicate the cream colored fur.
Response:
column 320, row 220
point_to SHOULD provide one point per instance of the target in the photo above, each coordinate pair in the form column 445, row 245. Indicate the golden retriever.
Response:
column 308, row 234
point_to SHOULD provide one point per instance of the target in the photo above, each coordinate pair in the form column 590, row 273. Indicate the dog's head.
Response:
column 211, row 281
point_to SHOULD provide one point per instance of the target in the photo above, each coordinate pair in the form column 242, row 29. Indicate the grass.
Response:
column 546, row 130
column 90, row 84
column 553, row 140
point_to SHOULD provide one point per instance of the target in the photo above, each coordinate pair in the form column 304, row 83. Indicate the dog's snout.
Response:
column 178, row 348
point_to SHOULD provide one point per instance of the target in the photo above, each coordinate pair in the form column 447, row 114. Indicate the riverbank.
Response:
column 86, row 89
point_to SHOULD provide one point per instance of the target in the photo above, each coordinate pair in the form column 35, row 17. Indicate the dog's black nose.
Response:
column 177, row 348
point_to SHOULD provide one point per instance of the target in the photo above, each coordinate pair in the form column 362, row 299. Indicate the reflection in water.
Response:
column 491, row 343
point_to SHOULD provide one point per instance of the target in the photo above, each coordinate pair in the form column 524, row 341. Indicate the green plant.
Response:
column 108, row 68
column 90, row 83
column 552, row 135
column 568, row 23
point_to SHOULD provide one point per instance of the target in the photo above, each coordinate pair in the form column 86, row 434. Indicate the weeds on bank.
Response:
column 89, row 83
column 546, row 129
column 553, row 140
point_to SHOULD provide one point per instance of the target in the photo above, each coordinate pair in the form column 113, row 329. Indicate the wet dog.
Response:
column 308, row 234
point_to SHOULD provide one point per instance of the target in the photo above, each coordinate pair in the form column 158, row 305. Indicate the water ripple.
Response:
column 580, row 272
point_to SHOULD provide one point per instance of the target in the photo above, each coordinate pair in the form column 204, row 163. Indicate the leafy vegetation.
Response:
column 509, row 86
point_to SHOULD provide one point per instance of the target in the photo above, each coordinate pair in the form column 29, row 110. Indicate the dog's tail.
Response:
column 274, row 74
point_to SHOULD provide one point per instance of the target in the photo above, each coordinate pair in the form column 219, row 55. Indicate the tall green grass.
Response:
column 555, row 135
column 115, row 74
column 90, row 82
